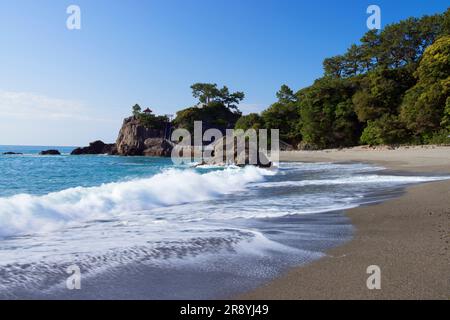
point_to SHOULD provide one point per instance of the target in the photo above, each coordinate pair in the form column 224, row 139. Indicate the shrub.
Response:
column 386, row 130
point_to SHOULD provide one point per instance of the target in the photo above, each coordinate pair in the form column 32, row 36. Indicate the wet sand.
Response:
column 407, row 237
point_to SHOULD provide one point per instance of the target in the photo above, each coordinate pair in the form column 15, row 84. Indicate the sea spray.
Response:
column 24, row 214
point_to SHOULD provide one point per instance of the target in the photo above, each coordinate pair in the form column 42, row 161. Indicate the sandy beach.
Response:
column 407, row 237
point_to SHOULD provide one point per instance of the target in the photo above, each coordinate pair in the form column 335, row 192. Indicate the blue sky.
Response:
column 63, row 87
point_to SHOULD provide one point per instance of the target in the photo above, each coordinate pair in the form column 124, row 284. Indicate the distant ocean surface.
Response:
column 140, row 227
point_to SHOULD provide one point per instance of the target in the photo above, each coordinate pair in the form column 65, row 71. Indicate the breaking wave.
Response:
column 26, row 214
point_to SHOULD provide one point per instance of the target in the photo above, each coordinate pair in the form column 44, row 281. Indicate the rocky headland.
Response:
column 134, row 139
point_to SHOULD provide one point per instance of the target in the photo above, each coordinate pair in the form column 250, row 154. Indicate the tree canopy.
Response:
column 250, row 121
column 393, row 87
column 425, row 106
column 209, row 92
column 149, row 120
column 218, row 109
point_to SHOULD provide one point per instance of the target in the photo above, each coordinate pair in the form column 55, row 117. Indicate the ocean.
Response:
column 143, row 228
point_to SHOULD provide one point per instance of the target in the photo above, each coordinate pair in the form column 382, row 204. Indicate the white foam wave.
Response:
column 25, row 214
column 329, row 166
column 361, row 179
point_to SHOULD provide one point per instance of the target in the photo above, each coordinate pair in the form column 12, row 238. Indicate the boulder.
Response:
column 248, row 156
column 110, row 148
column 11, row 153
column 157, row 147
column 137, row 140
column 96, row 147
column 50, row 152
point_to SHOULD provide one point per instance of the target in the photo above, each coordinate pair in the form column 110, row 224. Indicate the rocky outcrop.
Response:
column 137, row 140
column 49, row 153
column 157, row 147
column 96, row 147
column 248, row 156
column 110, row 148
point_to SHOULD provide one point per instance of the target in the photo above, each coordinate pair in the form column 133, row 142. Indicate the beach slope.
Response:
column 407, row 237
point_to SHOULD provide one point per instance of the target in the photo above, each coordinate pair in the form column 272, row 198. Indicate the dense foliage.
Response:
column 425, row 106
column 217, row 108
column 250, row 121
column 391, row 88
column 149, row 120
column 208, row 93
column 283, row 115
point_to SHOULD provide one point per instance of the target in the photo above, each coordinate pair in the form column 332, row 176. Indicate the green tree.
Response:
column 334, row 67
column 213, row 115
column 404, row 42
column 346, row 127
column 136, row 110
column 250, row 121
column 446, row 23
column 397, row 45
column 380, row 92
column 219, row 109
column 392, row 87
column 370, row 47
column 446, row 118
column 327, row 115
column 205, row 92
column 284, row 116
column 386, row 130
column 230, row 100
column 424, row 106
column 286, row 95
column 352, row 64
column 208, row 92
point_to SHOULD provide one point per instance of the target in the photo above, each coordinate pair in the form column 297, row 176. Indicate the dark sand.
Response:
column 407, row 237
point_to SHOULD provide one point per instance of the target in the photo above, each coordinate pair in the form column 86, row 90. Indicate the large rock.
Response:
column 96, row 147
column 137, row 140
column 248, row 156
column 110, row 148
column 157, row 147
column 49, row 153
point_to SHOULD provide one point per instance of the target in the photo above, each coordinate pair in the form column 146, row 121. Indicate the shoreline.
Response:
column 407, row 236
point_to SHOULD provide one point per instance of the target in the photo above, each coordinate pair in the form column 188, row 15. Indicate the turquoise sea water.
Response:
column 143, row 228
column 38, row 175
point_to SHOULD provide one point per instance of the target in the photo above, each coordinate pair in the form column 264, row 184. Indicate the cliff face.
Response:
column 136, row 140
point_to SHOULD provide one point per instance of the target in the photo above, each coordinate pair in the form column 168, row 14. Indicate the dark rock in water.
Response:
column 134, row 139
column 96, row 147
column 110, row 148
column 11, row 153
column 137, row 140
column 49, row 153
column 248, row 156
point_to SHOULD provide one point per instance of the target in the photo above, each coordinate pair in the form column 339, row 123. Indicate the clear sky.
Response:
column 69, row 87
